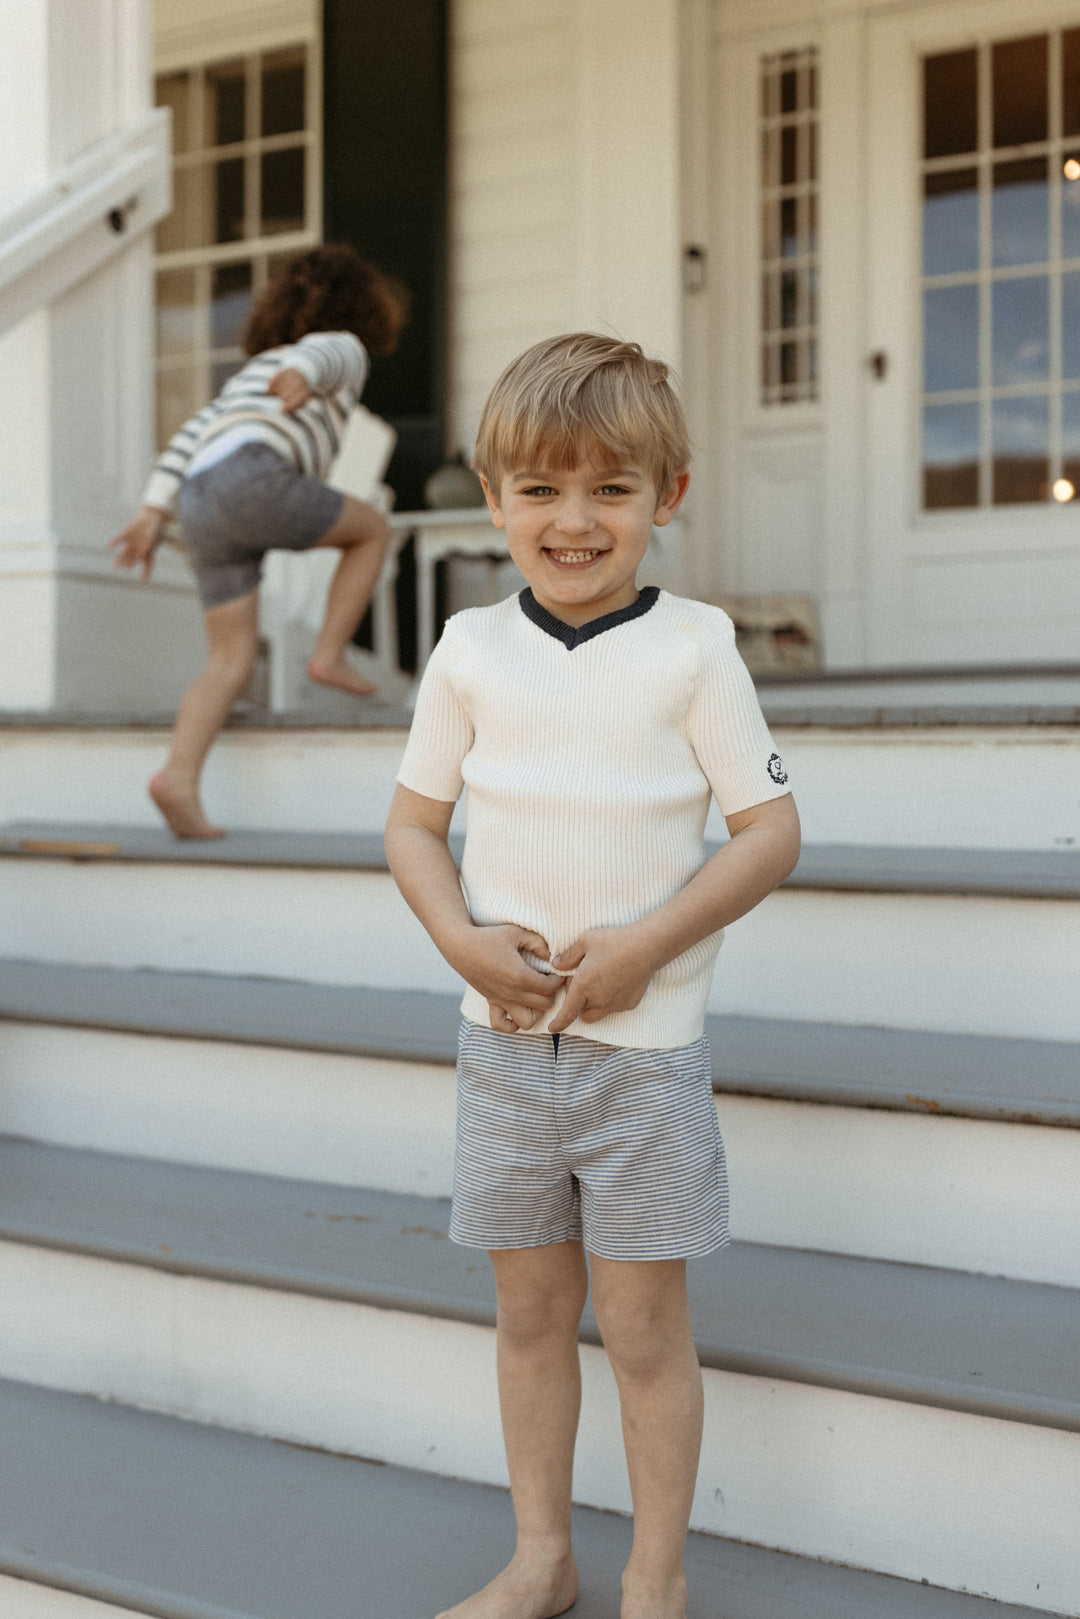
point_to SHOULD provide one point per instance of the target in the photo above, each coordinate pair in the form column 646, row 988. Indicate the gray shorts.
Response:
column 575, row 1140
column 251, row 502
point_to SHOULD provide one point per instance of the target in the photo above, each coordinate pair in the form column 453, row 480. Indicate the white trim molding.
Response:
column 54, row 234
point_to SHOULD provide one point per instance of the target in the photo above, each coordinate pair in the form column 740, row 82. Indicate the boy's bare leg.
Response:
column 644, row 1318
column 541, row 1294
column 361, row 535
column 232, row 636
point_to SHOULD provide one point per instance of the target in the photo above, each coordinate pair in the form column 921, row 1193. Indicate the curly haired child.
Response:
column 245, row 476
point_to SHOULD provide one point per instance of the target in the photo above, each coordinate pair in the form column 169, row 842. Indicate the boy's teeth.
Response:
column 575, row 556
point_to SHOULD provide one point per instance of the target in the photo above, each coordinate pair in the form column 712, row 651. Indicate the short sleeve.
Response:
column 727, row 730
column 442, row 731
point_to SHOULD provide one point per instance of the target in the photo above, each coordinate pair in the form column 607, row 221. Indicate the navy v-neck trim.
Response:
column 571, row 636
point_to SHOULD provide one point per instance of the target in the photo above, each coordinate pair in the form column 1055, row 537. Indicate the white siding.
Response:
column 512, row 258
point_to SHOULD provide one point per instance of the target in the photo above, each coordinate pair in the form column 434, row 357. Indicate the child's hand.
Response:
column 490, row 959
column 136, row 544
column 608, row 970
column 291, row 387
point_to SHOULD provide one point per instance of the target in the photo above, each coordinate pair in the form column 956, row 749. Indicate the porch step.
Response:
column 1018, row 873
column 968, row 1075
column 997, row 958
column 984, row 1345
column 192, row 1522
column 344, row 1320
column 1001, row 786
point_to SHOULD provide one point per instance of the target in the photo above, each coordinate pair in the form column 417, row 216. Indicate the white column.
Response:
column 76, row 408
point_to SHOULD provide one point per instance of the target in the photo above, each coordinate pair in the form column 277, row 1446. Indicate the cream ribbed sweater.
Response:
column 589, row 759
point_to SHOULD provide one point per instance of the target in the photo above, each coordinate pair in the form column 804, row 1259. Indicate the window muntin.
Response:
column 246, row 198
column 1001, row 273
column 789, row 227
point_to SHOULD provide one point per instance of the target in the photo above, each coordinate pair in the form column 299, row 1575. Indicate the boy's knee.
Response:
column 236, row 665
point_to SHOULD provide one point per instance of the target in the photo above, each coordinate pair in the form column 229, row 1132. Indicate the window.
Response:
column 1001, row 273
column 789, row 227
column 246, row 198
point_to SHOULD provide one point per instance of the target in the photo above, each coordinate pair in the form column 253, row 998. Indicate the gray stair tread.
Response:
column 192, row 1522
column 980, row 1076
column 973, row 1343
column 1018, row 873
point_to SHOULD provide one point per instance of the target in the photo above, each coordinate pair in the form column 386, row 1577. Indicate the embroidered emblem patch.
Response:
column 776, row 770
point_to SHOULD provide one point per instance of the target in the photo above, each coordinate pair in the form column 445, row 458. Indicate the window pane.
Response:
column 789, row 227
column 183, row 227
column 789, row 299
column 1021, row 431
column 789, row 154
column 282, row 191
column 950, row 123
column 1021, row 82
column 951, row 222
column 225, row 102
column 1021, row 330
column 229, row 195
column 950, row 456
column 174, row 91
column 789, row 90
column 178, row 397
column 951, row 338
column 1070, row 438
column 283, row 93
column 230, row 300
column 221, row 372
column 1070, row 206
column 1021, row 212
column 1070, row 325
column 175, row 313
column 1070, row 85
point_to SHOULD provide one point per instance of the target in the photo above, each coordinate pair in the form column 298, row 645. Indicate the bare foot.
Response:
column 340, row 674
column 644, row 1599
column 181, row 808
column 526, row 1589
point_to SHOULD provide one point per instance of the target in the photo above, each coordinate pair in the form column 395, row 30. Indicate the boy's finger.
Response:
column 571, row 1008
column 571, row 957
column 534, row 944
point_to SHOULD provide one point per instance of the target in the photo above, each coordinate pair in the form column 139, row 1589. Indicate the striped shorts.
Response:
column 562, row 1139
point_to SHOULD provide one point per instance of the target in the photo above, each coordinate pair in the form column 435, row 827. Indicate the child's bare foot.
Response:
column 340, row 674
column 647, row 1599
column 181, row 808
column 528, row 1588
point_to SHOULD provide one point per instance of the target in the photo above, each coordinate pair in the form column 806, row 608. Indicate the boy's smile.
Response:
column 579, row 535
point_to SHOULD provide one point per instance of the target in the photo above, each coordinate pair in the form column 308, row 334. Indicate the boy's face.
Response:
column 578, row 536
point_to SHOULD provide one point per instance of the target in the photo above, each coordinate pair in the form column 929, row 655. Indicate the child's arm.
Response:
column 612, row 967
column 488, row 958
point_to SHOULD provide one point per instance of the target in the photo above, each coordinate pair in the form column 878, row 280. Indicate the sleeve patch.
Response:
column 776, row 769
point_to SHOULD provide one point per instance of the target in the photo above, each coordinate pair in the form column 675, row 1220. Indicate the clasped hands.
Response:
column 605, row 970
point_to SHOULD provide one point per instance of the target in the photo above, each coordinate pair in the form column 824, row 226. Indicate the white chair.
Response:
column 292, row 598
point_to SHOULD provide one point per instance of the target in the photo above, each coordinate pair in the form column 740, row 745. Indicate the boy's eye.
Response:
column 614, row 489
column 538, row 489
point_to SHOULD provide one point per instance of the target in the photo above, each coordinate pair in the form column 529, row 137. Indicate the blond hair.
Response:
column 570, row 396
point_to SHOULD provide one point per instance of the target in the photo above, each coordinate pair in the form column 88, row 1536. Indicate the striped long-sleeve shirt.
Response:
column 335, row 365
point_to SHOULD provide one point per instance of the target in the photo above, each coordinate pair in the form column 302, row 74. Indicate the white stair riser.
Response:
column 961, row 1193
column 856, row 1480
column 21, row 1599
column 980, row 965
column 981, row 787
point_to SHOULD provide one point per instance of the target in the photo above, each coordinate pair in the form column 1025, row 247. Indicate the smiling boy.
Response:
column 591, row 722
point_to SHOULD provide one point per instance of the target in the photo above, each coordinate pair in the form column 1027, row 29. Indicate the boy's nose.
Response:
column 574, row 518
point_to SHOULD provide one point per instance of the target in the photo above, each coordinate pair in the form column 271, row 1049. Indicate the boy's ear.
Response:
column 492, row 498
column 672, row 498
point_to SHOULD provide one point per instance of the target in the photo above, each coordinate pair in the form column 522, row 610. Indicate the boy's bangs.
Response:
column 559, row 447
